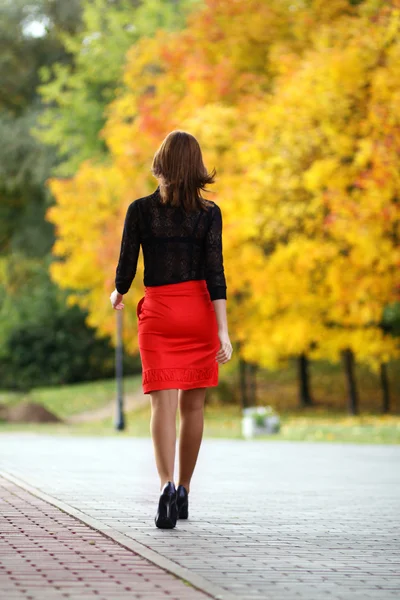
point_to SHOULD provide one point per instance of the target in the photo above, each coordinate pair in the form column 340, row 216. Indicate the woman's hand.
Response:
column 225, row 352
column 116, row 300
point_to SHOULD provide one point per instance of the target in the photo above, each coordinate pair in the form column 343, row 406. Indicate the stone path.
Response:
column 47, row 554
column 268, row 520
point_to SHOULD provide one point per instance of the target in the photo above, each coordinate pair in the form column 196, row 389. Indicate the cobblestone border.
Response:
column 194, row 579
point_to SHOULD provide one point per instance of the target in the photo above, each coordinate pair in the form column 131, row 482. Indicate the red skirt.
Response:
column 178, row 337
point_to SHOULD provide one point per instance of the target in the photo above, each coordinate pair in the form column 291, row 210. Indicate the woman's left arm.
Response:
column 128, row 257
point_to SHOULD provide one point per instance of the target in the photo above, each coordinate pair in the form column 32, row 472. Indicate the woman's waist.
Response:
column 192, row 286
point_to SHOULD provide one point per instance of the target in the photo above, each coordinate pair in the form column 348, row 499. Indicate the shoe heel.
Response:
column 167, row 513
column 183, row 511
column 182, row 501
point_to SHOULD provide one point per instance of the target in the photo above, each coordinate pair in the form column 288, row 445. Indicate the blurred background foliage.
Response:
column 295, row 102
column 61, row 65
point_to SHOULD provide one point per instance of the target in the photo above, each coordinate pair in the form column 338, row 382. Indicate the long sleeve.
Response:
column 129, row 253
column 214, row 266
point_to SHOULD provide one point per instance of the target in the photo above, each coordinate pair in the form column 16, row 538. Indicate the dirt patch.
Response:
column 27, row 412
column 131, row 402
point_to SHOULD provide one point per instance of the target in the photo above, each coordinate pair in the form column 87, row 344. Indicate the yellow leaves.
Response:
column 364, row 153
column 214, row 125
column 302, row 124
column 393, row 29
column 320, row 174
column 370, row 345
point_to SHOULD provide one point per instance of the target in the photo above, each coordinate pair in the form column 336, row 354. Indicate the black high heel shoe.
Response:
column 167, row 512
column 182, row 501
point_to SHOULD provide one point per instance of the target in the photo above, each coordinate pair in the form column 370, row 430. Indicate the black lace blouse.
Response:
column 176, row 246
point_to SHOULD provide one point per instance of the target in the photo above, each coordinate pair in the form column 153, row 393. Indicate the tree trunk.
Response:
column 352, row 396
column 253, row 384
column 304, row 381
column 385, row 389
column 244, row 397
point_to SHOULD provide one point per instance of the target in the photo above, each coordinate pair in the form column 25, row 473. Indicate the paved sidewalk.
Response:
column 47, row 554
column 267, row 520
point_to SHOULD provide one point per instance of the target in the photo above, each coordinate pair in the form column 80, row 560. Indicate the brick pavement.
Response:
column 47, row 554
column 268, row 520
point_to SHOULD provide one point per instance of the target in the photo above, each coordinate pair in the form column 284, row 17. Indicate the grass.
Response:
column 225, row 422
column 325, row 421
column 68, row 400
column 328, row 387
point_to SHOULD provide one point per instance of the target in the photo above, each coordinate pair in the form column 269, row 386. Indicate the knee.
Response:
column 191, row 401
column 163, row 400
column 190, row 408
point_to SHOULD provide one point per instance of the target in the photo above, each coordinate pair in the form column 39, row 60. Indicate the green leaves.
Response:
column 76, row 95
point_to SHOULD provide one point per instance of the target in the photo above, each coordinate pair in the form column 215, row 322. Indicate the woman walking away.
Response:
column 182, row 324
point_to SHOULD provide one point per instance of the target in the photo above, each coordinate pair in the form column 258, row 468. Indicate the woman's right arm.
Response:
column 220, row 312
column 216, row 283
column 225, row 351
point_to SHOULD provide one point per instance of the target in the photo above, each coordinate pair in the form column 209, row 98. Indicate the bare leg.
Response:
column 164, row 404
column 191, row 410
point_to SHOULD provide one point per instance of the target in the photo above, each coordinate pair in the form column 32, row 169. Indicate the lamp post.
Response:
column 120, row 419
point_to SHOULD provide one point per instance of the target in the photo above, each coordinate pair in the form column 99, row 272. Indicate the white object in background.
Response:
column 259, row 420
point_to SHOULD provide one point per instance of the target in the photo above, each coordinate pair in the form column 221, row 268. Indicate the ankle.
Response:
column 164, row 481
column 185, row 485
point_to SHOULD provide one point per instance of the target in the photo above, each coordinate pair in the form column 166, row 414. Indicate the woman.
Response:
column 182, row 323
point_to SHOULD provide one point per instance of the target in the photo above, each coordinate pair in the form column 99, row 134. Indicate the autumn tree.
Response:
column 331, row 187
column 76, row 93
column 295, row 105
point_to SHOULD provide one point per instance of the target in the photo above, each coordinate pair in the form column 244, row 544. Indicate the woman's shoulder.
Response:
column 142, row 200
column 148, row 197
column 146, row 201
column 211, row 204
column 214, row 209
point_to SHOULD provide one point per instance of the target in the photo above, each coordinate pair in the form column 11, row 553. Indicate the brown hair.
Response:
column 179, row 164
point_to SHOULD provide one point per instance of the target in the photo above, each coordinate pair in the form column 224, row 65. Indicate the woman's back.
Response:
column 177, row 246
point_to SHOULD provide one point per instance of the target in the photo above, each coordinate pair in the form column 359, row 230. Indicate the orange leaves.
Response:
column 303, row 127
